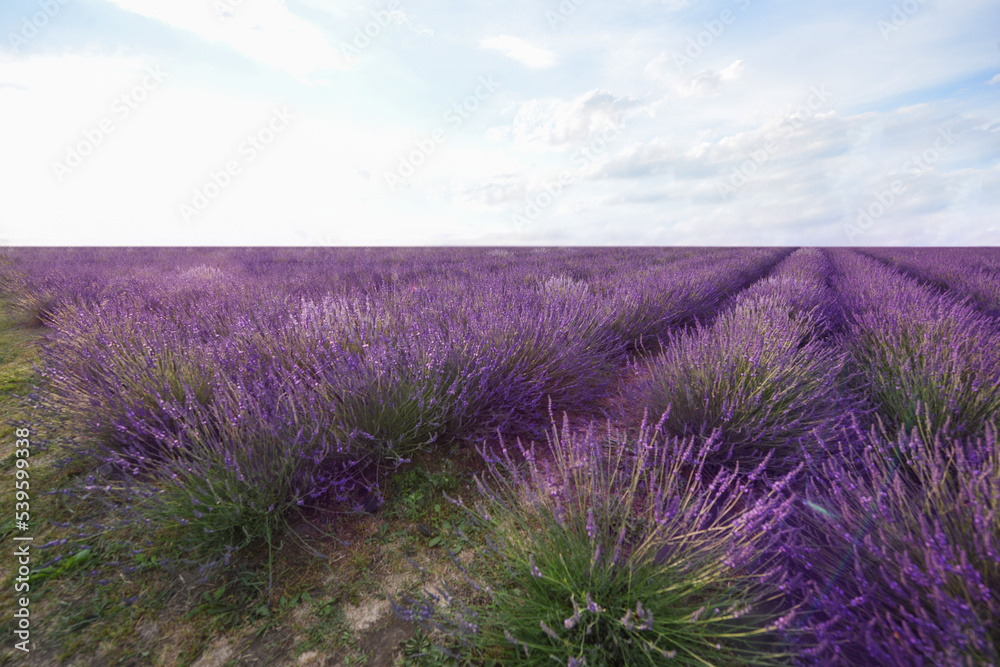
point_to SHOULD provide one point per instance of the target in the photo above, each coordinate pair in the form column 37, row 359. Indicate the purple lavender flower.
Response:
column 535, row 572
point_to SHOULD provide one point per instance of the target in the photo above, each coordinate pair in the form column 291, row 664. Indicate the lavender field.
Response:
column 521, row 456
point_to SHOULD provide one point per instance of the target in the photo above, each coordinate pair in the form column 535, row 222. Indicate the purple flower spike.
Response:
column 596, row 557
column 535, row 572
column 549, row 631
column 571, row 622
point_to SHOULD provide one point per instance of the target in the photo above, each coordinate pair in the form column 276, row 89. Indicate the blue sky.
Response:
column 580, row 122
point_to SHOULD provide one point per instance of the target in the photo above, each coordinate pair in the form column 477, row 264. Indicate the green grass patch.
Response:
column 18, row 353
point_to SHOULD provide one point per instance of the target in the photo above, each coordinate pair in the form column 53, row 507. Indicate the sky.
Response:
column 555, row 122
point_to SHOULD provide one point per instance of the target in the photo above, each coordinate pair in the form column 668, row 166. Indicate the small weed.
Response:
column 76, row 561
column 214, row 605
column 420, row 651
column 418, row 492
column 417, row 649
column 285, row 604
column 355, row 659
column 329, row 630
column 385, row 537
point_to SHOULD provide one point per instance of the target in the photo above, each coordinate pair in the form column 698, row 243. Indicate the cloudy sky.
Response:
column 572, row 122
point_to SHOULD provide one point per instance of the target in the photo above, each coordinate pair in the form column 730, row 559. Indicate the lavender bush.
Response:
column 619, row 555
column 899, row 570
column 761, row 375
column 920, row 352
column 968, row 273
column 240, row 479
column 649, row 304
column 802, row 282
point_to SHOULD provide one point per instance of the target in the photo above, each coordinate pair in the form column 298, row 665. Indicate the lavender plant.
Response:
column 759, row 376
column 247, row 466
column 504, row 352
column 802, row 282
column 903, row 570
column 920, row 352
column 621, row 554
column 122, row 380
column 968, row 273
column 649, row 303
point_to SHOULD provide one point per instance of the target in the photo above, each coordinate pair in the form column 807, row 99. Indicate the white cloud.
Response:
column 995, row 79
column 799, row 176
column 709, row 81
column 517, row 49
column 498, row 189
column 657, row 68
column 497, row 135
column 400, row 18
column 668, row 5
column 705, row 82
column 992, row 126
column 556, row 122
column 263, row 30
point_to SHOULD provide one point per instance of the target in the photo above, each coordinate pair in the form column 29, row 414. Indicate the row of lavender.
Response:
column 968, row 273
column 41, row 279
column 860, row 406
column 766, row 373
column 241, row 400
